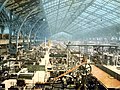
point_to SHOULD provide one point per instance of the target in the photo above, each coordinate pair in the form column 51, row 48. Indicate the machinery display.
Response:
column 53, row 68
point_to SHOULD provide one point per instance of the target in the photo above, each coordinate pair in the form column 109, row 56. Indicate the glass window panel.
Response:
column 92, row 23
column 92, row 9
column 79, row 17
column 99, row 2
column 115, row 3
column 84, row 14
column 100, row 12
column 91, row 17
column 118, row 20
column 107, row 23
column 111, row 5
column 110, row 16
column 118, row 10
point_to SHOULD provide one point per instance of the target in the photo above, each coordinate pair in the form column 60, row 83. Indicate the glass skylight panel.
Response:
column 52, row 13
column 89, row 18
column 73, row 23
column 84, row 14
column 62, row 5
column 54, row 2
column 92, row 9
column 109, row 7
column 115, row 20
column 118, row 10
column 86, row 20
column 56, row 11
column 115, row 3
column 48, row 4
column 79, row 17
column 88, row 29
column 62, row 13
column 93, row 23
column 92, row 17
column 53, row 9
column 112, row 5
column 76, row 5
column 52, row 23
column 110, row 16
column 98, row 19
column 59, row 19
column 87, row 25
column 52, row 17
column 103, row 20
column 99, row 2
column 52, row 5
column 68, row 2
column 108, row 24
column 100, row 12
column 63, row 1
column 77, row 20
column 45, row 1
column 81, row 20
column 77, row 26
column 47, row 7
column 116, row 14
column 103, row 24
column 96, row 27
column 118, row 20
column 93, row 28
column 64, row 9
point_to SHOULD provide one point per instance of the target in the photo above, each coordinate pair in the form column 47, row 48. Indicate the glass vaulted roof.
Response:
column 76, row 16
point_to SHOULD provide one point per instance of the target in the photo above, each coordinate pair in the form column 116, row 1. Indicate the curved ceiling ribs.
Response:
column 75, row 18
column 22, row 15
column 91, row 15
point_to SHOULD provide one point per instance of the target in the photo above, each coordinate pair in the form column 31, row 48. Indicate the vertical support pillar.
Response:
column 11, row 51
column 116, row 56
column 102, row 54
column 67, row 56
column 79, row 54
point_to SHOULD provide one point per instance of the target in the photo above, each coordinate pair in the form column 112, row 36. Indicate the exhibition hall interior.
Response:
column 59, row 44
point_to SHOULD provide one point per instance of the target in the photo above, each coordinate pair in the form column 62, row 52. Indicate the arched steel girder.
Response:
column 33, row 27
column 3, row 20
column 4, row 17
column 25, row 32
column 29, row 36
column 3, row 5
column 30, row 23
column 22, row 26
column 38, row 31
